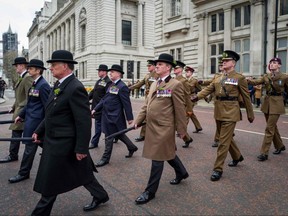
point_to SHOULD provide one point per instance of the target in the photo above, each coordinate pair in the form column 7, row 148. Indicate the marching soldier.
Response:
column 178, row 72
column 147, row 81
column 194, row 88
column 272, row 107
column 228, row 87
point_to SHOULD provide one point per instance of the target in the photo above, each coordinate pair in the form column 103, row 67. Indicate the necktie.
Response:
column 34, row 83
column 57, row 83
column 159, row 82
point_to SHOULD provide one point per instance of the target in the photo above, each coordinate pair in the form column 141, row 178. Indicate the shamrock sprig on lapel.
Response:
column 57, row 91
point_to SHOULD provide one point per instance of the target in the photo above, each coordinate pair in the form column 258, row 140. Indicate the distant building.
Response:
column 96, row 32
column 198, row 31
column 10, row 41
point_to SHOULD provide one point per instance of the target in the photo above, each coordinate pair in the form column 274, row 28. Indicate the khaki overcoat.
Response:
column 164, row 112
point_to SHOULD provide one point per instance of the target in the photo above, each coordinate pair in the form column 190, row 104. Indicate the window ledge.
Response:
column 176, row 24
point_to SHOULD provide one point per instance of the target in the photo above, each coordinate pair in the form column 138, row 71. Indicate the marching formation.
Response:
column 59, row 120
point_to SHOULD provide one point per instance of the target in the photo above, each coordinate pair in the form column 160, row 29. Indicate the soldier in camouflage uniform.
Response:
column 147, row 81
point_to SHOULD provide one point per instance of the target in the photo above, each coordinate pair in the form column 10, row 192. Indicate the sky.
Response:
column 19, row 14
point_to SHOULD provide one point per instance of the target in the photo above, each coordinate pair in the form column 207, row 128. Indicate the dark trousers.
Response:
column 15, row 145
column 109, row 146
column 96, row 137
column 157, row 169
column 45, row 204
column 28, row 158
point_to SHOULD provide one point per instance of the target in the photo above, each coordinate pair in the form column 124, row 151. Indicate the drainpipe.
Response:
column 265, row 35
column 276, row 26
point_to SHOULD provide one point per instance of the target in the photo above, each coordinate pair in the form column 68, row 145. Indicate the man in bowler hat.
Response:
column 116, row 109
column 98, row 92
column 164, row 113
column 228, row 88
column 22, row 87
column 65, row 163
column 33, row 113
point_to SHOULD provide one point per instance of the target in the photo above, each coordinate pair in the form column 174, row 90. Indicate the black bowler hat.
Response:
column 276, row 59
column 20, row 60
column 102, row 67
column 36, row 63
column 230, row 55
column 116, row 67
column 151, row 62
column 62, row 56
column 167, row 58
column 180, row 64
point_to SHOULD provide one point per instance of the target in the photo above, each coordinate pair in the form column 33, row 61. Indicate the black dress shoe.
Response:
column 216, row 175
column 101, row 163
column 234, row 163
column 262, row 157
column 197, row 130
column 115, row 140
column 93, row 146
column 187, row 143
column 18, row 178
column 94, row 204
column 178, row 180
column 145, row 197
column 140, row 138
column 131, row 152
column 8, row 159
column 278, row 151
column 215, row 144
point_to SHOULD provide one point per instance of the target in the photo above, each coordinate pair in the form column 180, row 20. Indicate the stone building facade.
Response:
column 197, row 31
column 96, row 32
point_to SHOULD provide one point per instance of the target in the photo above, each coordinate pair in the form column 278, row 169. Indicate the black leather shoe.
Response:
column 94, row 204
column 140, row 138
column 234, row 163
column 93, row 146
column 18, row 178
column 145, row 197
column 178, row 180
column 262, row 157
column 115, row 141
column 197, row 130
column 131, row 152
column 187, row 143
column 8, row 159
column 215, row 144
column 278, row 151
column 216, row 175
column 101, row 163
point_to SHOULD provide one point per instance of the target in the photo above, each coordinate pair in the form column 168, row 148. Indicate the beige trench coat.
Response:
column 164, row 114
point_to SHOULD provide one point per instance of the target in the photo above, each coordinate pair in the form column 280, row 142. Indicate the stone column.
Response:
column 201, row 44
column 55, row 40
column 48, row 46
column 62, row 45
column 118, row 22
column 72, row 34
column 257, row 38
column 140, row 23
column 227, row 28
column 67, row 36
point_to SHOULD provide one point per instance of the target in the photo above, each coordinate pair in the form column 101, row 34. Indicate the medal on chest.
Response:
column 114, row 90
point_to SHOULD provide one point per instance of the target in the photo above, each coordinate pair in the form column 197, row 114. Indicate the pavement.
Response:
column 251, row 188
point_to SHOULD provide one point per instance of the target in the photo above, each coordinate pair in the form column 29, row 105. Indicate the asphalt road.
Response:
column 251, row 188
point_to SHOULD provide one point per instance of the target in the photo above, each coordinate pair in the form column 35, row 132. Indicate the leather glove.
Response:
column 194, row 99
column 200, row 82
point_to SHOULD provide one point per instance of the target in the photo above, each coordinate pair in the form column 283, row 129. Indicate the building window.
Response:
column 176, row 53
column 282, row 52
column 242, row 47
column 242, row 16
column 175, row 8
column 130, row 69
column 138, row 69
column 217, row 22
column 172, row 52
column 83, row 37
column 126, row 32
column 283, row 7
column 216, row 51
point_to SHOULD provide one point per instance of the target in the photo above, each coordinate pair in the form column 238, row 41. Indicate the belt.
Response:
column 227, row 98
column 273, row 94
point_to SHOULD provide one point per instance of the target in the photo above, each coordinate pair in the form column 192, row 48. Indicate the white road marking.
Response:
column 253, row 132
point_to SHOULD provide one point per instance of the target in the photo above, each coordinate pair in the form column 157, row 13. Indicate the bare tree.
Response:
column 8, row 68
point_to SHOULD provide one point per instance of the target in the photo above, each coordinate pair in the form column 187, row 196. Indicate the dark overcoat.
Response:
column 34, row 111
column 98, row 92
column 116, row 108
column 67, row 127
